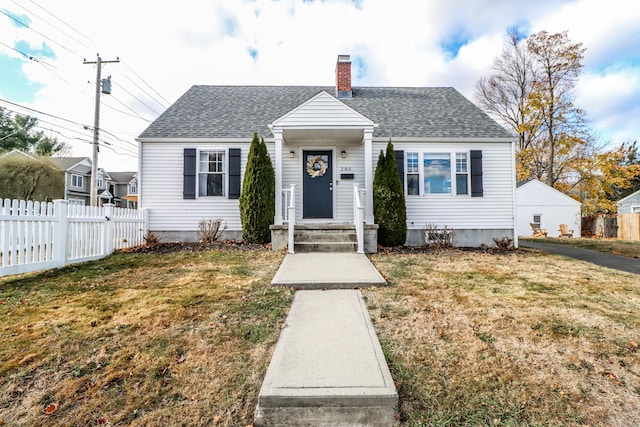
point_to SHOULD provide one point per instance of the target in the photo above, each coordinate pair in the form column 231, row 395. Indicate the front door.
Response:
column 317, row 184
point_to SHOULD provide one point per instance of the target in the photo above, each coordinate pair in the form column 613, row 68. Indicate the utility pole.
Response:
column 96, row 123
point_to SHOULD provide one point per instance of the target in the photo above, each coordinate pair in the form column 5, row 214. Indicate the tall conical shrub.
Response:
column 257, row 199
column 389, row 210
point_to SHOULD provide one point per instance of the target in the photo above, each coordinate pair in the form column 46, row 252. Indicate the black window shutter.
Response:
column 400, row 164
column 189, row 174
column 476, row 173
column 234, row 173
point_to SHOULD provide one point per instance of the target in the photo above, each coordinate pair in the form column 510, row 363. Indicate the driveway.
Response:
column 629, row 265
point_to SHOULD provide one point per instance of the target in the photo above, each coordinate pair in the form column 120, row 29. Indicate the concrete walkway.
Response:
column 328, row 368
column 327, row 270
column 606, row 260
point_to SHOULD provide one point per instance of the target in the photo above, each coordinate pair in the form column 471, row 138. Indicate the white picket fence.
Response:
column 38, row 236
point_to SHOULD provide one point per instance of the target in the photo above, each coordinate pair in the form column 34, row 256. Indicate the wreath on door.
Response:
column 316, row 167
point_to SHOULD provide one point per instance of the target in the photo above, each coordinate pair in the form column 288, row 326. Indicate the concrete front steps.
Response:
column 314, row 238
column 328, row 368
column 325, row 238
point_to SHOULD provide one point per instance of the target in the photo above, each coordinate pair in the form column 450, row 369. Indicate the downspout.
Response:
column 513, row 192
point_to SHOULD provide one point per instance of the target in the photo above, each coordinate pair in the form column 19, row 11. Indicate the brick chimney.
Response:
column 343, row 76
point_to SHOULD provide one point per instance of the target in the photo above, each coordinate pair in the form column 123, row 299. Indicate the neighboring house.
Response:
column 545, row 207
column 124, row 189
column 456, row 164
column 630, row 204
column 77, row 178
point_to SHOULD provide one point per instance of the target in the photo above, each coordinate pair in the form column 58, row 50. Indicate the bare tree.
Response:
column 504, row 94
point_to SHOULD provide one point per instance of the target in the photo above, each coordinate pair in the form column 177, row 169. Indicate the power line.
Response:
column 150, row 87
column 41, row 112
column 144, row 91
column 139, row 100
column 74, row 29
column 80, row 132
column 32, row 58
column 130, row 109
column 37, row 32
column 44, row 20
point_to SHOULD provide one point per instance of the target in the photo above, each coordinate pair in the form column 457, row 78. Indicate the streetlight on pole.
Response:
column 105, row 85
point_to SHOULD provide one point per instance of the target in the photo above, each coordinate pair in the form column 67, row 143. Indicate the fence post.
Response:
column 60, row 235
column 108, row 229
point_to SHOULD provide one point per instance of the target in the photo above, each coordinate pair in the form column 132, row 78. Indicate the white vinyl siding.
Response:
column 492, row 211
column 323, row 111
column 161, row 188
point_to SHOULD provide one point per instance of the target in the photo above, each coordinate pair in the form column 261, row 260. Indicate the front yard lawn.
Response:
column 184, row 338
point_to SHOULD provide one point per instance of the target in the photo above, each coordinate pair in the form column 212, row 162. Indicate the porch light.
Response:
column 292, row 154
column 343, row 154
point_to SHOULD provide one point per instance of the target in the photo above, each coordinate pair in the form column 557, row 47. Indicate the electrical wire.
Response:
column 143, row 80
column 37, row 32
column 44, row 20
column 84, row 127
column 65, row 23
column 138, row 99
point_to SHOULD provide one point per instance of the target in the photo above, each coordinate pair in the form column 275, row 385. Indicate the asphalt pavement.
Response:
column 616, row 262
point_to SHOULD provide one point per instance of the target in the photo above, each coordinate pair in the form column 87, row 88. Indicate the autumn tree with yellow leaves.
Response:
column 531, row 91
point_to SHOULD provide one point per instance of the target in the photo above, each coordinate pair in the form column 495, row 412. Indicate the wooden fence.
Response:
column 37, row 236
column 629, row 226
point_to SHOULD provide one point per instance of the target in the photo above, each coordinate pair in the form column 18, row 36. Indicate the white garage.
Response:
column 545, row 207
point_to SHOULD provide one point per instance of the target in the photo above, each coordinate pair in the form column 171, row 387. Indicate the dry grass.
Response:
column 184, row 338
column 140, row 339
column 520, row 338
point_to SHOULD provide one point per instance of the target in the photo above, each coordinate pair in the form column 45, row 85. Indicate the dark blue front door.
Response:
column 317, row 184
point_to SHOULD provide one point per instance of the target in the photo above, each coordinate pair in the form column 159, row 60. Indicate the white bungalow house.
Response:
column 629, row 204
column 545, row 207
column 456, row 164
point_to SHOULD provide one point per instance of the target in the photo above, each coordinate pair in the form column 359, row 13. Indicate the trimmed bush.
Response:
column 389, row 210
column 257, row 199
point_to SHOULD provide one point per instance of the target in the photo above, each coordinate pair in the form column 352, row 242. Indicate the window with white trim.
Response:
column 133, row 187
column 212, row 173
column 77, row 181
column 100, row 181
column 413, row 174
column 462, row 173
column 436, row 176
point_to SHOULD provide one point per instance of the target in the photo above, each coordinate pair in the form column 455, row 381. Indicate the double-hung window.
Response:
column 212, row 173
column 462, row 173
column 413, row 174
column 77, row 181
column 437, row 173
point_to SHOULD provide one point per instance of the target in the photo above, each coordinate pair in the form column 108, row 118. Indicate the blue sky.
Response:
column 165, row 49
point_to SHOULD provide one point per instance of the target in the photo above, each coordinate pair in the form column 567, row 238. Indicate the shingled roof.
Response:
column 238, row 111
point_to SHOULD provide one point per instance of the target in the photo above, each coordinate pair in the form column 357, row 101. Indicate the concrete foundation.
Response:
column 463, row 238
